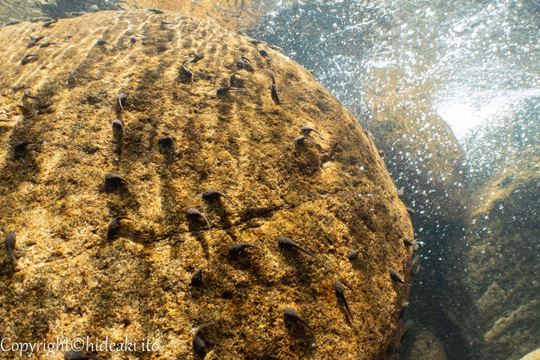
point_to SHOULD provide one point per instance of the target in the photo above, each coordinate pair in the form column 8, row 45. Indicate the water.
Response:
column 473, row 64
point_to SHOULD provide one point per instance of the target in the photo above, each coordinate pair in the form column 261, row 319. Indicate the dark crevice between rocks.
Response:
column 431, row 294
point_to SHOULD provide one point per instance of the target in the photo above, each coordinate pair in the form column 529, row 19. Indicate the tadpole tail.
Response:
column 203, row 326
column 12, row 254
column 228, row 198
column 308, row 253
column 312, row 140
column 306, row 325
column 273, row 93
column 207, row 222
column 271, row 75
column 120, row 103
column 364, row 253
column 348, row 309
column 320, row 134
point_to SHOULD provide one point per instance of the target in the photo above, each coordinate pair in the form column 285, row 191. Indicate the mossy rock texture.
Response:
column 72, row 281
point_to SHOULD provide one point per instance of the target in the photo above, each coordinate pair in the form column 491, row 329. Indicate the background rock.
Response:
column 532, row 355
column 423, row 345
column 498, row 261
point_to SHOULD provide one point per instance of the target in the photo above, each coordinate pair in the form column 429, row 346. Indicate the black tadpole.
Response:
column 413, row 243
column 114, row 227
column 114, row 181
column 186, row 75
column 291, row 316
column 118, row 129
column 306, row 131
column 288, row 244
column 265, row 54
column 199, row 346
column 166, row 145
column 340, row 294
column 273, row 86
column 28, row 94
column 244, row 63
column 196, row 278
column 354, row 254
column 122, row 100
column 404, row 307
column 21, row 149
column 78, row 355
column 300, row 141
column 49, row 23
column 29, row 58
column 155, row 11
column 415, row 262
column 195, row 215
column 34, row 40
column 396, row 278
column 10, row 246
column 239, row 248
column 213, row 195
column 236, row 81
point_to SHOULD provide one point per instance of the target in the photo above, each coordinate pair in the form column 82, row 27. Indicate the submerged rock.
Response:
column 496, row 276
column 73, row 282
column 424, row 345
column 534, row 355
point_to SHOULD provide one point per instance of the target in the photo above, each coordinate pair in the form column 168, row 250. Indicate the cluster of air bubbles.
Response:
column 506, row 142
column 474, row 53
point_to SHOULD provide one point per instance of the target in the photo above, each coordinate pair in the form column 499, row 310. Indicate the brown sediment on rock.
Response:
column 74, row 282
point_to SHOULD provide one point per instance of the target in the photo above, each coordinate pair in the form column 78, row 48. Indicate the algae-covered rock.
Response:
column 76, row 278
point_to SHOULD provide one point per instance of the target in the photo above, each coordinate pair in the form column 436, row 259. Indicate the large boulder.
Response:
column 57, row 145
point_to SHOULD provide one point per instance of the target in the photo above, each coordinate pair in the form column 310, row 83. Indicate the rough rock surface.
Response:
column 72, row 281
